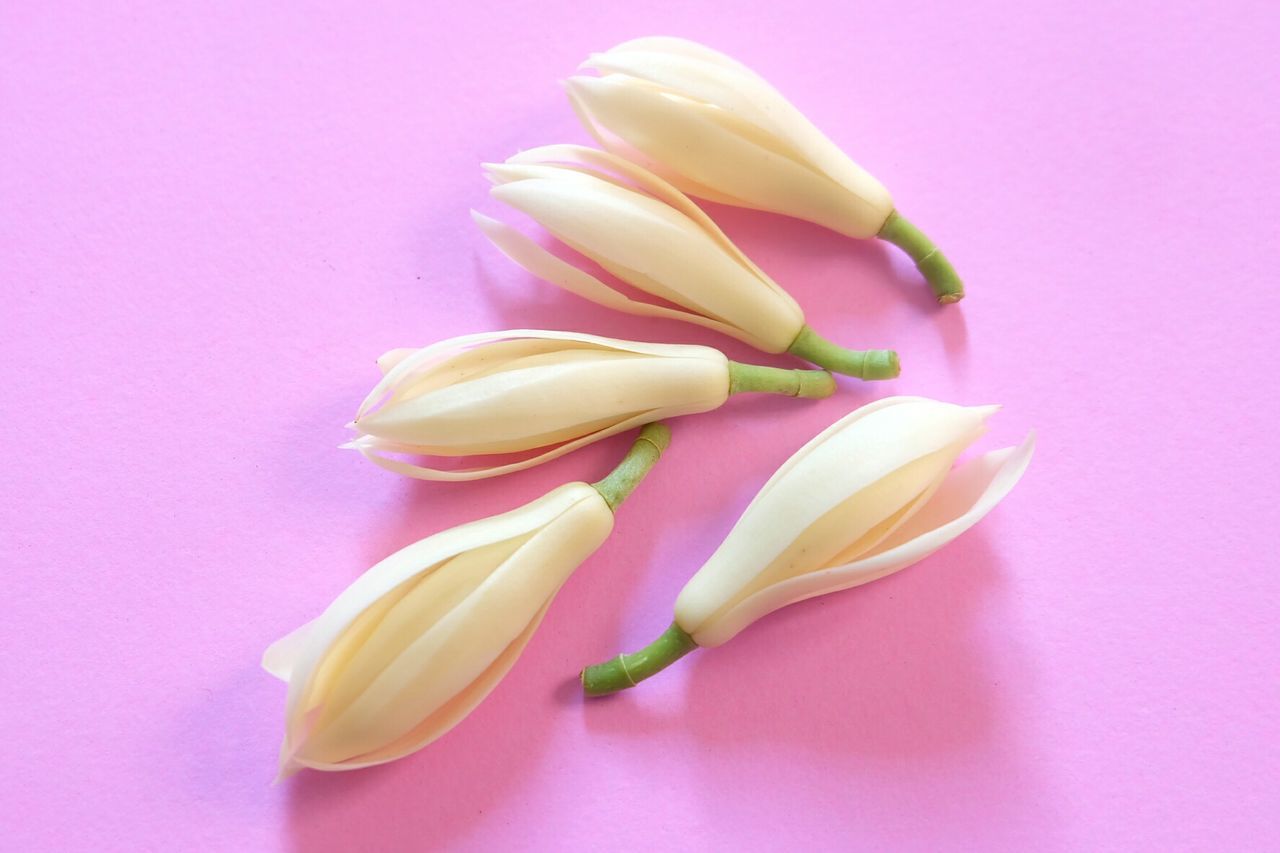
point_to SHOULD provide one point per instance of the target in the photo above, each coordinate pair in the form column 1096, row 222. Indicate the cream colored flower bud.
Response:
column 410, row 648
column 872, row 494
column 647, row 234
column 414, row 645
column 519, row 391
column 715, row 129
column 651, row 236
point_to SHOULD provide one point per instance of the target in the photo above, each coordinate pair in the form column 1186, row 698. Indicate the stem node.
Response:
column 864, row 364
column 814, row 384
column 626, row 671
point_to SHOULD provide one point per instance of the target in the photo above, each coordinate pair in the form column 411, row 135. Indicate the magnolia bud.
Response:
column 410, row 648
column 872, row 494
column 651, row 236
column 714, row 128
column 543, row 392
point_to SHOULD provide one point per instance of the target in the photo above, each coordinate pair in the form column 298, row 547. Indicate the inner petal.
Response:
column 388, row 627
column 861, row 520
column 480, row 361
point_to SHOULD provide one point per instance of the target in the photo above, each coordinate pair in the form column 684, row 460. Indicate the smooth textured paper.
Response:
column 215, row 217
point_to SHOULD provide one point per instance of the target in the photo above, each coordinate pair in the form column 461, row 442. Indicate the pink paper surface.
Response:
column 214, row 217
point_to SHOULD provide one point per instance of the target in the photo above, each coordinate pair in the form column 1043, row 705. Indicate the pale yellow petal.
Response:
column 968, row 493
column 541, row 263
column 828, row 472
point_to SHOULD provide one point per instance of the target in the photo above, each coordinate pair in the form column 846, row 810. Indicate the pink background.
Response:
column 212, row 220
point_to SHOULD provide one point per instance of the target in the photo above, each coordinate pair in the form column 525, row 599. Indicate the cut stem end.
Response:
column 933, row 265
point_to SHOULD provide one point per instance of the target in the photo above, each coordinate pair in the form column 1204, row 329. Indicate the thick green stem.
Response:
column 815, row 384
column 864, row 364
column 622, row 481
column 933, row 265
column 629, row 670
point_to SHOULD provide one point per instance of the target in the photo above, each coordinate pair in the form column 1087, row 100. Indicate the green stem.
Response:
column 815, row 384
column 864, row 364
column 629, row 670
column 622, row 481
column 933, row 265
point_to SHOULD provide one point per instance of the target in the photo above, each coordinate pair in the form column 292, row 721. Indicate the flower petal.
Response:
column 437, row 655
column 865, row 449
column 541, row 263
column 746, row 96
column 714, row 148
column 453, row 711
column 551, row 397
column 776, row 122
column 654, row 247
column 969, row 493
column 675, row 46
column 280, row 656
column 412, row 561
column 444, row 351
column 375, row 452
column 392, row 357
column 655, row 186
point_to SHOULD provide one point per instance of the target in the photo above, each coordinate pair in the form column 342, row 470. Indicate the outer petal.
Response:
column 748, row 96
column 603, row 161
column 281, row 655
column 453, row 711
column 714, row 148
column 427, row 357
column 454, row 649
column 865, row 448
column 969, row 493
column 375, row 451
column 411, row 562
column 551, row 398
column 538, row 261
column 675, row 46
column 471, row 362
column 521, row 374
column 651, row 246
column 392, row 357
column 773, row 120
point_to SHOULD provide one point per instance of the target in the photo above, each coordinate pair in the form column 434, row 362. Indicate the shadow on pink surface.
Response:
column 827, row 273
column 954, row 330
column 915, row 689
column 912, row 682
column 422, row 802
column 916, row 697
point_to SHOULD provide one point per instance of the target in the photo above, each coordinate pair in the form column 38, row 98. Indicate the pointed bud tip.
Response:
column 579, row 83
column 288, row 769
column 389, row 359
